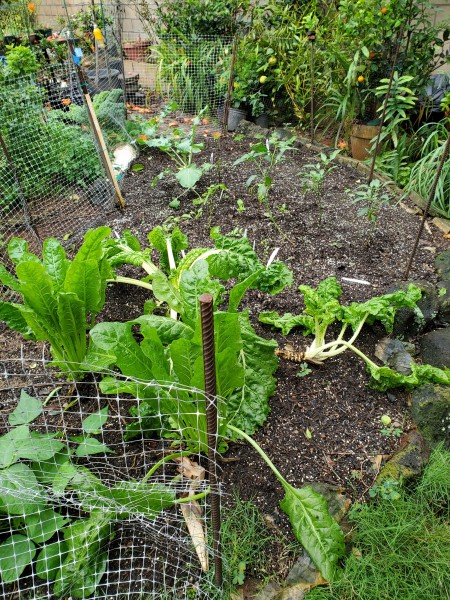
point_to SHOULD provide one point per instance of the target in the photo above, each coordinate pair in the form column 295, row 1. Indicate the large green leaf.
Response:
column 38, row 293
column 159, row 238
column 193, row 283
column 43, row 525
column 20, row 493
column 28, row 409
column 381, row 308
column 187, row 177
column 168, row 329
column 55, row 262
column 9, row 280
column 13, row 315
column 16, row 553
column 154, row 350
column 314, row 527
column 128, row 498
column 38, row 447
column 49, row 560
column 117, row 338
column 248, row 406
column 10, row 443
column 83, row 279
column 237, row 292
column 94, row 422
column 165, row 292
column 89, row 445
column 72, row 321
column 46, row 470
column 183, row 355
column 287, row 321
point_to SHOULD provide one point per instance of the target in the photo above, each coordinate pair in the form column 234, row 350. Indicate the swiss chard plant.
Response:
column 59, row 297
column 322, row 308
column 311, row 522
column 42, row 493
column 168, row 348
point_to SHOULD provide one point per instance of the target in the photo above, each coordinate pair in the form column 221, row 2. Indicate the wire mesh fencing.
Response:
column 53, row 181
column 103, row 487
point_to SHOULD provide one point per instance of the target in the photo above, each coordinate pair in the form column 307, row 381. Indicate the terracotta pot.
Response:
column 137, row 51
column 361, row 138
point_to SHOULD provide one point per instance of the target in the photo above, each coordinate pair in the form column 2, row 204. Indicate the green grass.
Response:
column 400, row 548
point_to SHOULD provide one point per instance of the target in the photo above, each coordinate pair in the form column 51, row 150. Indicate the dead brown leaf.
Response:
column 190, row 469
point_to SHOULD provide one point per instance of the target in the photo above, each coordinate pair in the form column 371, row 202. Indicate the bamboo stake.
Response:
column 96, row 129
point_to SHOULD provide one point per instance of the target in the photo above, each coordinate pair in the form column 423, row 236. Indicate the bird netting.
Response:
column 53, row 179
column 103, row 490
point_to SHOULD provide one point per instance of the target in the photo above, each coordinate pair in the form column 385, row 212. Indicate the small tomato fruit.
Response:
column 360, row 79
column 384, row 10
column 272, row 61
column 385, row 419
column 262, row 79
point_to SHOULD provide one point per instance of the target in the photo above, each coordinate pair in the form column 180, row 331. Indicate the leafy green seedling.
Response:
column 388, row 490
column 304, row 370
column 322, row 308
column 240, row 206
column 239, row 574
column 371, row 198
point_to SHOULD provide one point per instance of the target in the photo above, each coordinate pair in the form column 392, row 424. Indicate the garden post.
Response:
column 209, row 370
column 427, row 207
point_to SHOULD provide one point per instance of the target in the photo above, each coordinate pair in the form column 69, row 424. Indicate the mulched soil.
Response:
column 324, row 426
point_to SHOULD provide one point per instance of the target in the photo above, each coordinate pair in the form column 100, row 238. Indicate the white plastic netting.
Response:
column 95, row 502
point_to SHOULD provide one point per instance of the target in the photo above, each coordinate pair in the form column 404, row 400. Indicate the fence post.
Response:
column 209, row 370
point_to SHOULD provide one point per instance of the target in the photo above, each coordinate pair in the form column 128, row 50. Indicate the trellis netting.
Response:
column 52, row 176
column 96, row 502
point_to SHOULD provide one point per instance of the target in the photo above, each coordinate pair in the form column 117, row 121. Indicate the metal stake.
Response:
column 209, row 370
column 226, row 108
column 427, row 207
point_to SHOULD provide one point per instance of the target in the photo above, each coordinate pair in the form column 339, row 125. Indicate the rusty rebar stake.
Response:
column 209, row 370
column 445, row 152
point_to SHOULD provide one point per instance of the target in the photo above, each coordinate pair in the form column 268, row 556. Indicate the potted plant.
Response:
column 137, row 50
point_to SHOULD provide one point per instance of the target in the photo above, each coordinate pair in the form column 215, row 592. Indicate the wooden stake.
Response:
column 96, row 130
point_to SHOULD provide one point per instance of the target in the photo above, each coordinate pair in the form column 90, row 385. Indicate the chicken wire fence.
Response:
column 95, row 501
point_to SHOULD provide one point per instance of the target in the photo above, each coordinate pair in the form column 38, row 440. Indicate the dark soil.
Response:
column 324, row 426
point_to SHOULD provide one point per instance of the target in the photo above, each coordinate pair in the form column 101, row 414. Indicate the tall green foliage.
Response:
column 60, row 298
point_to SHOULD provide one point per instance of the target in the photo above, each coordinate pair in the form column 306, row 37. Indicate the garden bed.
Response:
column 324, row 426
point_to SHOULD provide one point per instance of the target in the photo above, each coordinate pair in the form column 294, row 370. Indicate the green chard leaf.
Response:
column 55, row 262
column 159, row 238
column 315, row 528
column 117, row 339
column 248, row 405
column 287, row 321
